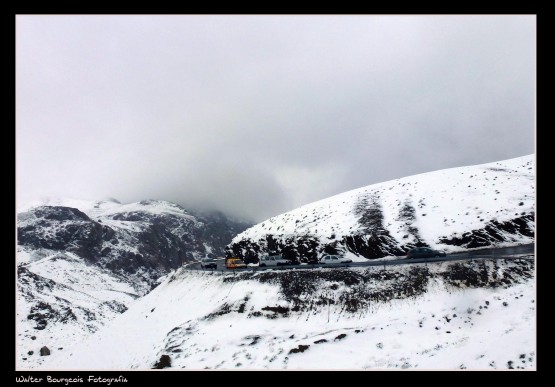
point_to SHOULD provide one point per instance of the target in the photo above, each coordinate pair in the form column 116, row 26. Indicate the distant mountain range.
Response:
column 145, row 239
column 80, row 263
column 453, row 209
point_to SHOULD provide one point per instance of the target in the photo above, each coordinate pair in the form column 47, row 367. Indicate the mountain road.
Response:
column 522, row 251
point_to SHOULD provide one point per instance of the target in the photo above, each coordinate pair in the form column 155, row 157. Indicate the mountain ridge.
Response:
column 452, row 209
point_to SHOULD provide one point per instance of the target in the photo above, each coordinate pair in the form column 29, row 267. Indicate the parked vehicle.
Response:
column 273, row 260
column 208, row 263
column 424, row 252
column 334, row 259
column 234, row 263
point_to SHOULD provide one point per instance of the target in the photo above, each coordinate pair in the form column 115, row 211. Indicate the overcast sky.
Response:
column 258, row 115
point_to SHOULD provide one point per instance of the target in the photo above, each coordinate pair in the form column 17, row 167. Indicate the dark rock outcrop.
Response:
column 164, row 362
column 494, row 231
column 44, row 351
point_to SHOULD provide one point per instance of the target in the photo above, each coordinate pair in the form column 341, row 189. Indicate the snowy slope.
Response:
column 474, row 315
column 81, row 263
column 61, row 300
column 466, row 207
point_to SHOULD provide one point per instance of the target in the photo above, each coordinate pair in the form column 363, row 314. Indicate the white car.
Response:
column 208, row 263
column 334, row 259
column 273, row 260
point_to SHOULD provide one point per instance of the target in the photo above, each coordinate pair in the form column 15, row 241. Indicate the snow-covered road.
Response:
column 509, row 252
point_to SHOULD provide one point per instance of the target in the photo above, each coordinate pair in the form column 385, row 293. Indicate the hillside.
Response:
column 453, row 209
column 441, row 316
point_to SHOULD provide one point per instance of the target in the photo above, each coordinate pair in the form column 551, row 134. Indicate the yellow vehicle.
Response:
column 234, row 263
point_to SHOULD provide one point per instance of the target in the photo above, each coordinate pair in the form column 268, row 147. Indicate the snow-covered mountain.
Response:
column 145, row 239
column 453, row 209
column 80, row 263
column 450, row 315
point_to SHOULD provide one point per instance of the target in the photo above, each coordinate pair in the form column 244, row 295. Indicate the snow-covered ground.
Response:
column 61, row 300
column 443, row 316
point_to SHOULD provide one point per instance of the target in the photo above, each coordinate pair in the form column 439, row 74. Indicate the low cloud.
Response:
column 257, row 115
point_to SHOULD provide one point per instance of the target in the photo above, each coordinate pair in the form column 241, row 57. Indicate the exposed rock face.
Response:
column 63, row 228
column 494, row 231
